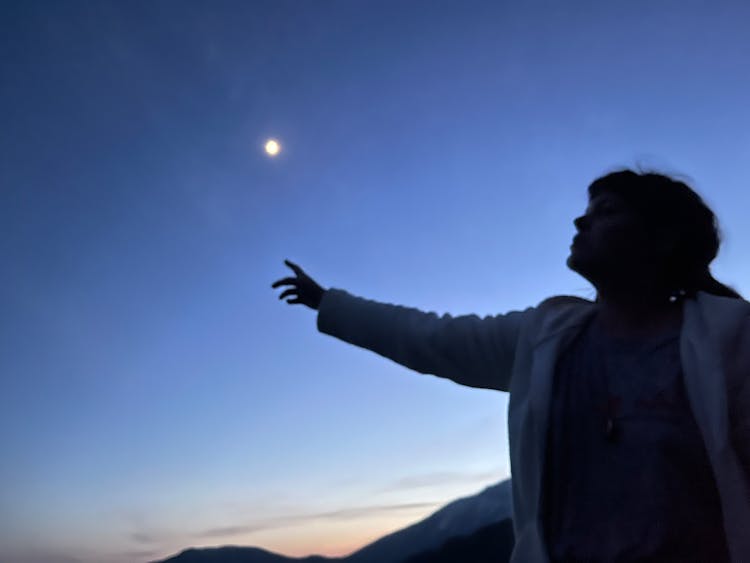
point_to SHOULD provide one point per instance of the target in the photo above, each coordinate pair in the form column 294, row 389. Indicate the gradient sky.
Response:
column 155, row 394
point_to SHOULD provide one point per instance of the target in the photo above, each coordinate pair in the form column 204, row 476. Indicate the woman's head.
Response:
column 650, row 224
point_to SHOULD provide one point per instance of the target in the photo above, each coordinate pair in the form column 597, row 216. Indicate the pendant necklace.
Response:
column 612, row 431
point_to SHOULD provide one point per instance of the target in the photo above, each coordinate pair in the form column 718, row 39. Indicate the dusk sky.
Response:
column 154, row 392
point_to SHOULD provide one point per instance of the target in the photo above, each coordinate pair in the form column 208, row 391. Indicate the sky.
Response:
column 154, row 392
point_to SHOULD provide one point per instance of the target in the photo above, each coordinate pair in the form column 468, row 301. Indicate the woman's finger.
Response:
column 297, row 270
column 284, row 281
column 289, row 291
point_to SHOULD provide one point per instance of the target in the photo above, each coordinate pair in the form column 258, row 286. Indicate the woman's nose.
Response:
column 581, row 222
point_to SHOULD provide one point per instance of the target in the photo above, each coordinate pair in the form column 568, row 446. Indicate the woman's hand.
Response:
column 304, row 289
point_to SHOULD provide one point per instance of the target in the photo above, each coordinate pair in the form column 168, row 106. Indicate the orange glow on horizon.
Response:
column 332, row 538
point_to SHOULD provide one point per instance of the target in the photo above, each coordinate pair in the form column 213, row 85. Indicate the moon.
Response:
column 272, row 147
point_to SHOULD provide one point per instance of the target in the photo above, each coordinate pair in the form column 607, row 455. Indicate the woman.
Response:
column 629, row 417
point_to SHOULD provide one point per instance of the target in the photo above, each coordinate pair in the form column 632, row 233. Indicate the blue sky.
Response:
column 155, row 393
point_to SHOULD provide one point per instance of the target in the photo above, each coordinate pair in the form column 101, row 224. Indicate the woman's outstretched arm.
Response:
column 472, row 351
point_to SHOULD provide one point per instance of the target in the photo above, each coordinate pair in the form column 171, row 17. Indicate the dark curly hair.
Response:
column 670, row 207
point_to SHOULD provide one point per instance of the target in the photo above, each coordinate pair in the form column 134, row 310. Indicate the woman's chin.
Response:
column 576, row 263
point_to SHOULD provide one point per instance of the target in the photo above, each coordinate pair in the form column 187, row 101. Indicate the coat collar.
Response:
column 715, row 314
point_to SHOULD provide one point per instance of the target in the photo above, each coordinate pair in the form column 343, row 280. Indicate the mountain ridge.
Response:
column 459, row 518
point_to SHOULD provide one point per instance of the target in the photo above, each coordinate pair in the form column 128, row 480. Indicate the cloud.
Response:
column 229, row 531
column 139, row 537
column 141, row 554
column 39, row 556
column 363, row 512
column 439, row 478
column 434, row 479
column 297, row 520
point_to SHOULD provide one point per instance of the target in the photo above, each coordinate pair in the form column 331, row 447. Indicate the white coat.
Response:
column 517, row 352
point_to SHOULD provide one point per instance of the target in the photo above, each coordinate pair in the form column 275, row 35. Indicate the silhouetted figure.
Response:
column 629, row 417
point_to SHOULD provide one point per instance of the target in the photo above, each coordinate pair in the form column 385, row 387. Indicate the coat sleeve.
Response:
column 472, row 351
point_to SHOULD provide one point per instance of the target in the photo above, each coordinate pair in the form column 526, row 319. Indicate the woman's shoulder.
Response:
column 726, row 322
column 560, row 312
column 725, row 312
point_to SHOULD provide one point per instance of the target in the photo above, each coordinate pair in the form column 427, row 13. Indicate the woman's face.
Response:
column 612, row 243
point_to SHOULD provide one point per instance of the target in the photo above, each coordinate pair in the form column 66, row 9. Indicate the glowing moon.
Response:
column 272, row 147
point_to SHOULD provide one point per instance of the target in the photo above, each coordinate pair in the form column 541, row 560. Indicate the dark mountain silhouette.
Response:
column 236, row 554
column 490, row 544
column 460, row 518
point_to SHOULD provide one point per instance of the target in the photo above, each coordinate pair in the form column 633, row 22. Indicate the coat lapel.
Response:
column 554, row 338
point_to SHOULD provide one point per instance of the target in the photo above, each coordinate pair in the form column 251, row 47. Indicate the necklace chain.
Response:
column 612, row 430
